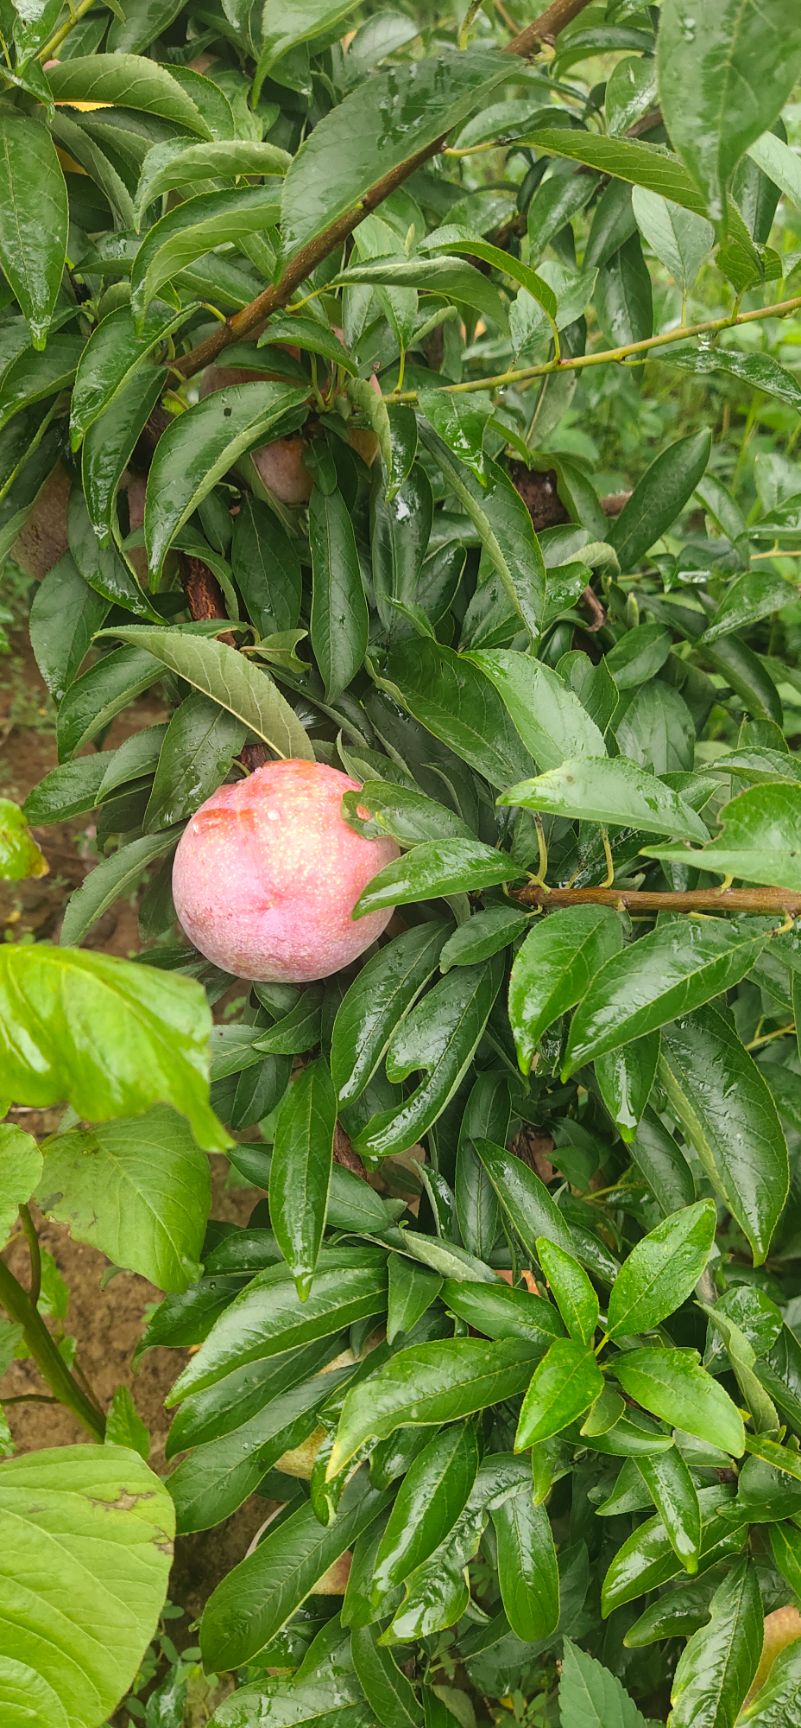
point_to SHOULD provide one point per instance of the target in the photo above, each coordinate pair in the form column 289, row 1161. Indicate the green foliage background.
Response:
column 531, row 319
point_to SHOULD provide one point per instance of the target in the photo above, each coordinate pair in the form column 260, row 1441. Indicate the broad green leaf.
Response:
column 222, row 1409
column 505, row 530
column 266, row 566
column 675, row 1497
column 20, row 1170
column 64, row 615
column 436, row 868
column 489, row 930
column 552, row 722
column 268, row 1317
column 339, row 618
column 126, row 81
column 590, row 1696
column 680, row 239
column 400, row 532
column 199, row 746
column 191, row 230
column 623, row 296
column 659, row 497
column 760, row 371
column 564, row 1385
column 672, row 1385
column 571, row 1290
column 662, row 1270
column 101, row 565
column 454, row 701
column 86, row 1545
column 626, row 159
column 723, row 78
column 381, row 807
column 305, row 332
column 200, row 446
column 137, row 1188
column 430, row 1498
column 625, row 1079
column 426, row 1384
column 528, row 1573
column 300, row 1172
column 757, row 594
column 411, row 1291
column 231, row 680
column 779, row 162
column 718, row 1663
column 760, row 839
column 719, row 1096
column 110, row 1037
column 646, row 1560
column 561, row 955
column 378, row 126
column 111, row 356
column 613, row 791
column 36, row 374
column 282, row 31
column 177, row 163
column 529, row 1207
column 111, row 878
column 252, row 1604
column 670, row 972
column 297, row 1703
column 385, row 1687
column 779, row 1697
column 110, row 442
column 500, row 1312
column 438, row 1037
column 450, row 277
column 19, row 854
column 33, row 218
column 376, row 1002
column 664, row 1167
column 460, row 422
column 92, row 701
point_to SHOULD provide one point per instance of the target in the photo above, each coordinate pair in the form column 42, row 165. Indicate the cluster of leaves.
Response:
column 539, row 1373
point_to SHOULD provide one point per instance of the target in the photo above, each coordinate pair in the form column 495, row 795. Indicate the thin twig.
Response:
column 754, row 900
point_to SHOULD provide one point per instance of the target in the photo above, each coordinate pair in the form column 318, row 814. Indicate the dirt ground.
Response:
column 106, row 1319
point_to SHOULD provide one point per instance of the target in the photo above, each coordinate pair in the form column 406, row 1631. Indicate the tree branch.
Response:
column 272, row 299
column 754, row 900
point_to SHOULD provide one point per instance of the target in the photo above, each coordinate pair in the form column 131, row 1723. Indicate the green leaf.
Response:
column 191, row 230
column 110, row 358
column 613, row 791
column 426, row 1384
column 564, row 1385
column 673, row 970
column 460, row 422
column 86, row 1543
column 339, row 619
column 504, row 528
column 387, row 1690
column 19, row 854
column 110, row 443
column 110, row 879
column 411, row 1291
column 571, row 1290
column 454, row 701
column 671, row 1487
column 760, row 371
column 647, row 1558
column 300, row 1172
column 718, row 1663
column 551, row 721
column 718, row 1094
column 32, row 376
column 436, row 868
column 625, row 1079
column 106, row 1035
column 779, row 1697
column 387, row 119
column 305, row 332
column 528, row 1573
column 724, row 81
column 381, row 807
column 20, row 1170
column 592, row 1697
column 177, row 163
column 376, row 1002
column 662, row 1164
column 34, row 218
column 623, row 297
column 680, row 239
column 486, row 933
column 92, row 701
column 283, row 31
column 500, row 1312
column 138, row 1189
column 199, row 746
column 229, row 679
column 760, row 839
column 431, row 1496
column 561, row 955
column 200, row 446
column 672, row 1385
column 439, row 1037
column 659, row 497
column 101, row 565
column 662, row 1270
column 252, row 1604
column 268, row 1317
column 126, row 81
column 529, row 1207
column 449, row 277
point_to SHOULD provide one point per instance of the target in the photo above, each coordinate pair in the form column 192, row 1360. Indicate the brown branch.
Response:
column 755, row 900
column 279, row 293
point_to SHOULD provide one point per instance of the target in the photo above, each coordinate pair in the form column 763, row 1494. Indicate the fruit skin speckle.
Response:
column 267, row 874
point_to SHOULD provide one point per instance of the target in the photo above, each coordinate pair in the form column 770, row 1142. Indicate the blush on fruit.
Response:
column 267, row 873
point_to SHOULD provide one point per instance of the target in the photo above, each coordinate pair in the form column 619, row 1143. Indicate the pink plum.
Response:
column 267, row 873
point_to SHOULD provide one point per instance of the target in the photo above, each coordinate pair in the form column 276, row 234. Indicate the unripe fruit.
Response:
column 267, row 873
